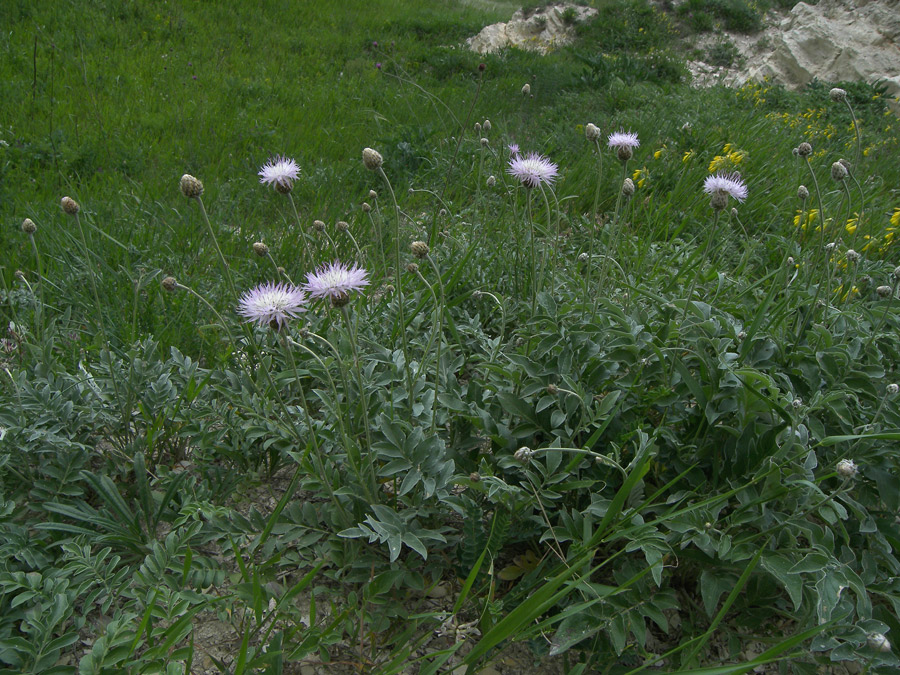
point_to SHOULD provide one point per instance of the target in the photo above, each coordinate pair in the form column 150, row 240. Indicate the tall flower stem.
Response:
column 440, row 340
column 593, row 223
column 306, row 252
column 883, row 319
column 225, row 267
column 399, row 280
column 280, row 271
column 364, row 398
column 462, row 131
column 380, row 238
column 317, row 451
column 556, row 238
column 40, row 271
column 855, row 129
column 611, row 252
column 534, row 282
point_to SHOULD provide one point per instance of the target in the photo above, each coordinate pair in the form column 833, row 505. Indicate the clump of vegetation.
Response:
column 398, row 359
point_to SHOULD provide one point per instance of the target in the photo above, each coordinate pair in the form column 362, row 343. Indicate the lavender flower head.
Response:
column 624, row 143
column 336, row 280
column 532, row 169
column 513, row 149
column 623, row 139
column 730, row 184
column 272, row 304
column 280, row 172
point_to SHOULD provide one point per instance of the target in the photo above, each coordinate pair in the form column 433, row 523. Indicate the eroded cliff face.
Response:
column 833, row 40
column 540, row 31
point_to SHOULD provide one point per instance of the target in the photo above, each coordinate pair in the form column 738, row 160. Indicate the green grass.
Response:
column 686, row 403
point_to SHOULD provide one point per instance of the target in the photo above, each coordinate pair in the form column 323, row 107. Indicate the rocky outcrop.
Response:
column 834, row 40
column 540, row 31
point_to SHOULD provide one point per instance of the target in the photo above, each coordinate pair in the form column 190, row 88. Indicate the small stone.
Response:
column 438, row 592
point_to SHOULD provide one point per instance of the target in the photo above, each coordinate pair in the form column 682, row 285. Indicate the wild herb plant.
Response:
column 646, row 419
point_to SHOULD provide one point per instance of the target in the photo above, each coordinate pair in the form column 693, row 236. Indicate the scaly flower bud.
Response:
column 69, row 205
column 190, row 186
column 372, row 159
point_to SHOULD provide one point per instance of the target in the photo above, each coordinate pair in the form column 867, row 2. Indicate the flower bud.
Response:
column 71, row 207
column 884, row 291
column 190, row 186
column 797, row 403
column 475, row 477
column 802, row 193
column 318, row 226
column 853, row 256
column 373, row 194
column 20, row 275
column 412, row 268
column 591, row 132
column 476, row 295
column 524, row 454
column 847, row 468
column 804, row 149
column 892, row 389
column 487, row 125
column 627, row 188
column 484, row 142
column 526, row 89
column 879, row 642
column 896, row 273
column 342, row 225
column 28, row 226
column 477, row 127
column 583, row 257
column 372, row 159
column 838, row 172
column 837, row 95
column 552, row 389
column 366, row 207
column 491, row 181
column 790, row 261
column 170, row 284
column 260, row 249
column 419, row 249
column 624, row 152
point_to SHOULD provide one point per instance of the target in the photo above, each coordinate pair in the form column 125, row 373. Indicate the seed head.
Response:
column 591, row 132
column 524, row 454
column 260, row 249
column 412, row 268
column 342, row 225
column 190, row 186
column 837, row 95
column 318, row 226
column 170, row 284
column 526, row 89
column 628, row 188
column 366, row 207
column 892, row 389
column 838, row 172
column 372, row 159
column 804, row 149
column 847, row 468
column 71, row 207
column 339, row 299
column 878, row 642
column 802, row 193
column 28, row 226
column 419, row 249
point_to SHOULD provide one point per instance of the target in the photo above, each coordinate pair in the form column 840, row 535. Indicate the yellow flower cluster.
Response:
column 810, row 218
column 729, row 160
column 882, row 244
column 640, row 176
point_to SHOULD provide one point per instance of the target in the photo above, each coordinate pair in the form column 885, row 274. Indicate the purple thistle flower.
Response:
column 532, row 169
column 730, row 184
column 272, row 304
column 280, row 172
column 336, row 280
column 513, row 149
column 623, row 139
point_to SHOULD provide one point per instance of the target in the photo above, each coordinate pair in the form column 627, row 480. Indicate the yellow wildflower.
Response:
column 689, row 155
column 811, row 216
